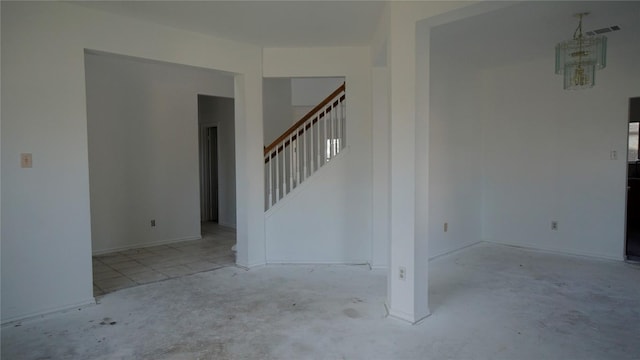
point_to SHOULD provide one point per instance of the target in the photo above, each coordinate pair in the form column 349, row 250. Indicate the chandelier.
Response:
column 579, row 58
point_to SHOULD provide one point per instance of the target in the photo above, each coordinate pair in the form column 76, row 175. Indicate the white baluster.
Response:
column 339, row 127
column 290, row 162
column 332, row 121
column 324, row 142
column 270, row 180
column 304, row 159
column 319, row 144
column 277, row 176
column 298, row 160
column 284, row 171
column 343, row 143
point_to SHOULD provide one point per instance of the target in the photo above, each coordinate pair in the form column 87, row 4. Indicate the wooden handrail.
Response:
column 299, row 123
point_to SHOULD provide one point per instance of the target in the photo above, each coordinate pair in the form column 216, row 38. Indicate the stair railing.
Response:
column 305, row 147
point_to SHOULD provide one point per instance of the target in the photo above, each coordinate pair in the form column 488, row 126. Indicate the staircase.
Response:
column 305, row 147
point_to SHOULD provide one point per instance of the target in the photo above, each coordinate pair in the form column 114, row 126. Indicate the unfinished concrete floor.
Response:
column 488, row 302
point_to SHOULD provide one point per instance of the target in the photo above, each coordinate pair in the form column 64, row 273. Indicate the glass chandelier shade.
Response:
column 579, row 58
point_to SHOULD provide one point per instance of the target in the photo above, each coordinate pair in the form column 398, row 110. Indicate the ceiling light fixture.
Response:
column 579, row 58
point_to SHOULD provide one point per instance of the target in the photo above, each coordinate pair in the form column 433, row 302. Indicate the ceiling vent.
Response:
column 603, row 30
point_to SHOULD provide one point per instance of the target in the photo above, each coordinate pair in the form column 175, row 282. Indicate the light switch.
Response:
column 26, row 161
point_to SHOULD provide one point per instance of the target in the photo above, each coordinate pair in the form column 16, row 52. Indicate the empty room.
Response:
column 398, row 180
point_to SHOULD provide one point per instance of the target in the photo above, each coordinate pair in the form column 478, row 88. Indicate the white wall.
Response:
column 142, row 130
column 309, row 92
column 533, row 152
column 547, row 154
column 219, row 111
column 455, row 156
column 338, row 200
column 46, row 235
column 380, row 167
column 277, row 111
column 287, row 100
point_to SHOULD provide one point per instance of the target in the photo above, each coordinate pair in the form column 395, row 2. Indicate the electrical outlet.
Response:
column 554, row 225
column 402, row 273
column 153, row 223
column 613, row 155
column 446, row 227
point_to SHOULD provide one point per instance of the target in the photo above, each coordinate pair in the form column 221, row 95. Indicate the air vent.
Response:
column 603, row 30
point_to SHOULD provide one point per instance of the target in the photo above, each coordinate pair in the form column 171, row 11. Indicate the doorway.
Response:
column 209, row 174
column 632, row 247
column 217, row 160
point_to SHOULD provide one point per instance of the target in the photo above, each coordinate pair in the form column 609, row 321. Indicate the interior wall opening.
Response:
column 143, row 138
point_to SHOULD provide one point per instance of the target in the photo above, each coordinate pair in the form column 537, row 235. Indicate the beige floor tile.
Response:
column 132, row 252
column 182, row 244
column 202, row 266
column 175, row 271
column 137, row 266
column 148, row 277
column 112, row 258
column 168, row 261
column 163, row 250
column 154, row 260
column 117, row 283
column 142, row 255
column 99, row 268
column 135, row 270
column 125, row 265
column 106, row 275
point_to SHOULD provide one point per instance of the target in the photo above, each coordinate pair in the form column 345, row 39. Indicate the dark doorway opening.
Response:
column 209, row 175
column 632, row 248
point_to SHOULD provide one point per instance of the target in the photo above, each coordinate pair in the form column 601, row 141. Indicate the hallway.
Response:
column 135, row 267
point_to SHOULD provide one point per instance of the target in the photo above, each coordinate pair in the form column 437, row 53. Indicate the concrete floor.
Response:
column 488, row 302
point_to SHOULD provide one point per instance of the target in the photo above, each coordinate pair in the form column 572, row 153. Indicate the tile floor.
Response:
column 134, row 267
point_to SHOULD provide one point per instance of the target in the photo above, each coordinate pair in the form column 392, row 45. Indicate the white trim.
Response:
column 379, row 267
column 145, row 245
column 250, row 266
column 405, row 317
column 48, row 312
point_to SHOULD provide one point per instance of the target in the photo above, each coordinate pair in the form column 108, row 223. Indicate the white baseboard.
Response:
column 379, row 267
column 48, row 312
column 144, row 245
column 408, row 318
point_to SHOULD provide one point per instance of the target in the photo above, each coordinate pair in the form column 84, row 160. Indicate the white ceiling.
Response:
column 531, row 29
column 264, row 23
column 514, row 33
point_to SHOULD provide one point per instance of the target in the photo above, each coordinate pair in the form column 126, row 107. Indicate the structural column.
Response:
column 249, row 171
column 408, row 263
